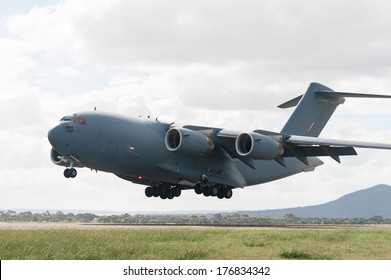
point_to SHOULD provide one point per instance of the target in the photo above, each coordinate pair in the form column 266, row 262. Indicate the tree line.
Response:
column 212, row 219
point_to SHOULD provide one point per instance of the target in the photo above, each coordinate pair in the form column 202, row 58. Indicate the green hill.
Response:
column 367, row 203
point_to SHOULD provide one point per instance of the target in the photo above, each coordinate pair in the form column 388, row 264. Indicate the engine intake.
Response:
column 258, row 146
column 187, row 141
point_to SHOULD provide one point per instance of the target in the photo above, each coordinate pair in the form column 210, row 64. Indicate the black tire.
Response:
column 198, row 189
column 155, row 192
column 66, row 173
column 205, row 191
column 148, row 192
column 72, row 172
column 177, row 191
column 220, row 195
column 213, row 191
column 170, row 194
column 228, row 193
column 163, row 195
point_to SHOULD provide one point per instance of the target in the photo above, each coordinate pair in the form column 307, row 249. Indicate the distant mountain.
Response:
column 374, row 201
column 367, row 203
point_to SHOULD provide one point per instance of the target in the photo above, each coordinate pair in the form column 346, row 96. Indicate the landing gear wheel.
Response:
column 221, row 193
column 155, row 191
column 228, row 193
column 198, row 189
column 149, row 192
column 177, row 191
column 170, row 194
column 213, row 191
column 66, row 173
column 72, row 172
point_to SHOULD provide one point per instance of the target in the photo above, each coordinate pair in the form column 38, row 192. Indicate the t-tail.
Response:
column 315, row 108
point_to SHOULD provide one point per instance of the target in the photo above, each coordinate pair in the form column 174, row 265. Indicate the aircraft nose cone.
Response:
column 53, row 137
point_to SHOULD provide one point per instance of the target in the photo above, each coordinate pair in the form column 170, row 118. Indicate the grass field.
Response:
column 196, row 244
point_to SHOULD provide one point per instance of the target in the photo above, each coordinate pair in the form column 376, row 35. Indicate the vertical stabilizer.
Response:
column 312, row 112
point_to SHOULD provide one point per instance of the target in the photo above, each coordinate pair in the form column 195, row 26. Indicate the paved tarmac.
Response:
column 81, row 226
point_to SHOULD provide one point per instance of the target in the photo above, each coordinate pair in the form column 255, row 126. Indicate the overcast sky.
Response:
column 224, row 63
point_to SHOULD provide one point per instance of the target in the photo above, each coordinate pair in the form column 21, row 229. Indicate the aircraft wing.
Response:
column 297, row 146
column 304, row 146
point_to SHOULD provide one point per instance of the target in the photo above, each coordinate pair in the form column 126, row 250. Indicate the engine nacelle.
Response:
column 257, row 146
column 57, row 158
column 187, row 141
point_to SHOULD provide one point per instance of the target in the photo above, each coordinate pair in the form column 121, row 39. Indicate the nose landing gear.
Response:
column 70, row 173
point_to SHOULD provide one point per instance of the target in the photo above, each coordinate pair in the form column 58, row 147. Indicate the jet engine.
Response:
column 57, row 158
column 187, row 141
column 258, row 146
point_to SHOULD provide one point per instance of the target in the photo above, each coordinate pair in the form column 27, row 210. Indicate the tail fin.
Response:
column 312, row 113
column 315, row 108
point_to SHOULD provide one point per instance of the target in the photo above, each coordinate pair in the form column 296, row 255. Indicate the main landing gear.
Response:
column 166, row 191
column 163, row 191
column 208, row 189
column 216, row 190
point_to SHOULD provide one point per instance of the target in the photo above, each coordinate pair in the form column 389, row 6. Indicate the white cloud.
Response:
column 15, row 60
column 275, row 33
column 67, row 71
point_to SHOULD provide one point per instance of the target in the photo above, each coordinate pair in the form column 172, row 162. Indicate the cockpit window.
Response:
column 78, row 120
column 82, row 121
column 66, row 119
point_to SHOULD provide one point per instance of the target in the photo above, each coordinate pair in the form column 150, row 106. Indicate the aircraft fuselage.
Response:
column 135, row 150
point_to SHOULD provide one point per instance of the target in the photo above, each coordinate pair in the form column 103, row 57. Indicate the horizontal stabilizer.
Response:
column 291, row 103
column 325, row 93
column 304, row 140
column 350, row 94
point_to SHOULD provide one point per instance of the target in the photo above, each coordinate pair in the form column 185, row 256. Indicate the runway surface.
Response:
column 81, row 226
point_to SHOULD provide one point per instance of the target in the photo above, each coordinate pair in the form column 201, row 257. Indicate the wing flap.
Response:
column 302, row 147
column 301, row 151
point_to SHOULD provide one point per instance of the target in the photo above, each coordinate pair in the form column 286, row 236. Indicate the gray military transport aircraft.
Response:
column 169, row 158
